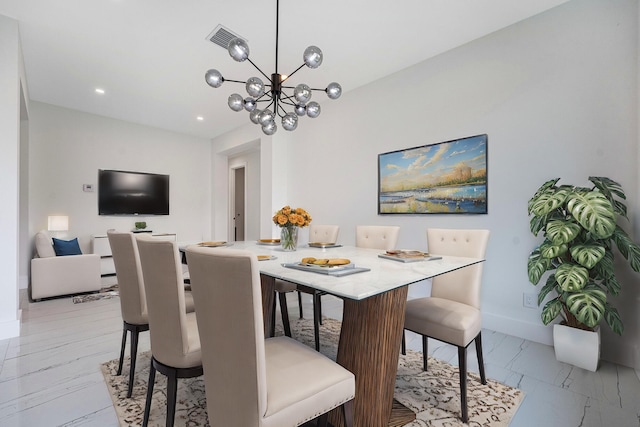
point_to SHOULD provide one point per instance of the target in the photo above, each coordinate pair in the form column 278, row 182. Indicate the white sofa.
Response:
column 53, row 275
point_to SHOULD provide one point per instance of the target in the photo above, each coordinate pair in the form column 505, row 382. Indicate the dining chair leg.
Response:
column 425, row 352
column 172, row 375
column 403, row 346
column 272, row 332
column 284, row 311
column 316, row 320
column 347, row 413
column 172, row 392
column 147, row 405
column 134, row 352
column 122, row 347
column 478, row 341
column 462, row 367
column 321, row 421
column 300, row 303
column 319, row 303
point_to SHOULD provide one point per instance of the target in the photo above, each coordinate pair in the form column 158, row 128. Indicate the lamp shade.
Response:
column 58, row 223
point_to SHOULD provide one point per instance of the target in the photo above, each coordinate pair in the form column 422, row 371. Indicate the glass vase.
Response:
column 289, row 238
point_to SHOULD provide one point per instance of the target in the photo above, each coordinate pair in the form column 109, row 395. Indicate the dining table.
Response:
column 374, row 297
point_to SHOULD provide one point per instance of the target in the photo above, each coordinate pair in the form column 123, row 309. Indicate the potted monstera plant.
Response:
column 580, row 228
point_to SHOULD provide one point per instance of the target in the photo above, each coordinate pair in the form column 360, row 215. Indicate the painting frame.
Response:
column 449, row 177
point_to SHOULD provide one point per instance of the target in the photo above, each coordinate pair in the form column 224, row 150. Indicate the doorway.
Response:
column 242, row 219
column 238, row 214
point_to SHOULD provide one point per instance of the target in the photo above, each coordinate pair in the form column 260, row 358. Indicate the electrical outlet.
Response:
column 530, row 300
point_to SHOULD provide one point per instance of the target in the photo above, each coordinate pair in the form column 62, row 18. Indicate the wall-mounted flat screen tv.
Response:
column 132, row 193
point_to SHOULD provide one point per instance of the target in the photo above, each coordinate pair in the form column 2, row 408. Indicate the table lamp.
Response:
column 58, row 223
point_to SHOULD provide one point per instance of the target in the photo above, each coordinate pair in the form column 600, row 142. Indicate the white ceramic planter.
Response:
column 577, row 347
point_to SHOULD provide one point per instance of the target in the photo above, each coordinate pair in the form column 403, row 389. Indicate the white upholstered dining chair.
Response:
column 175, row 342
column 251, row 381
column 323, row 233
column 452, row 313
column 318, row 233
column 133, row 303
column 383, row 237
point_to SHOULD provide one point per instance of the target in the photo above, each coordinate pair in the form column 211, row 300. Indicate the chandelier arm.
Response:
column 279, row 113
column 287, row 99
column 272, row 102
column 258, row 68
column 267, row 94
column 288, row 103
column 234, row 81
column 295, row 71
column 311, row 88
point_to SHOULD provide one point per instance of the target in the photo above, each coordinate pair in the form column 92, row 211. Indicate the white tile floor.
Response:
column 50, row 375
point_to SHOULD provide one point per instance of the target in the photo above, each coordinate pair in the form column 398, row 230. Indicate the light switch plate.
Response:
column 88, row 188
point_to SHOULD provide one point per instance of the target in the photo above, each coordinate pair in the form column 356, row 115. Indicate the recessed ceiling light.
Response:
column 100, row 91
column 200, row 118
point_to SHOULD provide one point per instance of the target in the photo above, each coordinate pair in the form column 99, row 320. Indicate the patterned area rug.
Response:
column 104, row 293
column 432, row 395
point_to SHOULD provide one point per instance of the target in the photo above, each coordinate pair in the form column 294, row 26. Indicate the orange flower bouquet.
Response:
column 287, row 217
column 289, row 220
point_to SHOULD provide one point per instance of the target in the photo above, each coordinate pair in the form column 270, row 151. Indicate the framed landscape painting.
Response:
column 444, row 178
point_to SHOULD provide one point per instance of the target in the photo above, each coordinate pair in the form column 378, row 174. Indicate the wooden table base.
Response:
column 369, row 347
column 400, row 415
column 268, row 285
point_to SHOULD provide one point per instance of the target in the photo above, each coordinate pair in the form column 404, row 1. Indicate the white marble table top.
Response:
column 384, row 274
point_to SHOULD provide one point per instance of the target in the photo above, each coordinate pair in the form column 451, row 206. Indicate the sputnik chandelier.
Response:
column 275, row 93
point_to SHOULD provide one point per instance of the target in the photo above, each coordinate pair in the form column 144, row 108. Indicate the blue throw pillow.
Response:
column 66, row 247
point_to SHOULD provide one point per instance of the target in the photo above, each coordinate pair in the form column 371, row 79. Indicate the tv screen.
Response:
column 132, row 193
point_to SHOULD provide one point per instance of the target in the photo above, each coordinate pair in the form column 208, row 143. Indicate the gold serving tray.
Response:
column 269, row 242
column 323, row 245
column 212, row 244
column 408, row 256
column 325, row 267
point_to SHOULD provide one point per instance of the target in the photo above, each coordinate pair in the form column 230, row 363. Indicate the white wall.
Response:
column 67, row 149
column 10, row 76
column 24, row 238
column 557, row 96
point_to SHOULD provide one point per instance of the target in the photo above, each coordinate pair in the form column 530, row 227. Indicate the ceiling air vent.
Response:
column 222, row 36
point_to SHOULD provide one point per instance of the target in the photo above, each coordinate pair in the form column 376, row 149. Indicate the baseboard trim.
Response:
column 10, row 329
column 625, row 354
column 507, row 325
